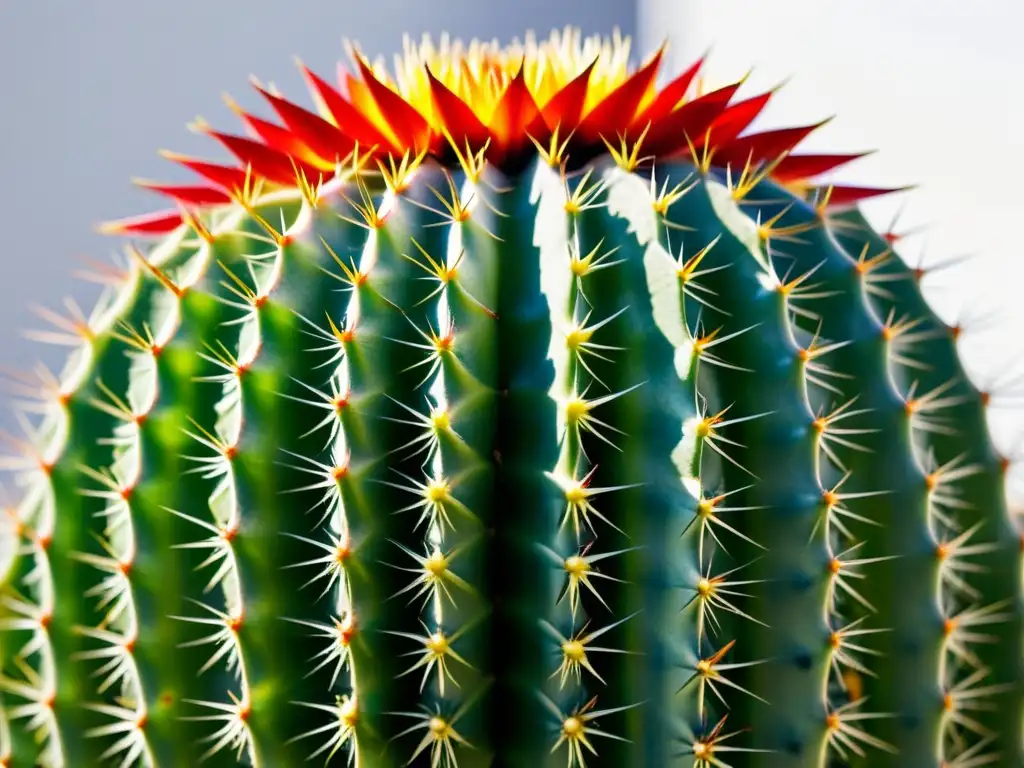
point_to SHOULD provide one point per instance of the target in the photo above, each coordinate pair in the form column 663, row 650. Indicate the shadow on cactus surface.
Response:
column 511, row 410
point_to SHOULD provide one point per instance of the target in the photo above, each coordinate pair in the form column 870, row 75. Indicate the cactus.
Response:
column 510, row 409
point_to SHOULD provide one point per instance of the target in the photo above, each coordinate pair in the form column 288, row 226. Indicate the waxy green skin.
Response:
column 366, row 380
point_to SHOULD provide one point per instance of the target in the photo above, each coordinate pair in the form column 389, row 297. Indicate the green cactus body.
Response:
column 509, row 424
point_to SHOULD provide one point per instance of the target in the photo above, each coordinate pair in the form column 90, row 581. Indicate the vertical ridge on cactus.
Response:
column 510, row 408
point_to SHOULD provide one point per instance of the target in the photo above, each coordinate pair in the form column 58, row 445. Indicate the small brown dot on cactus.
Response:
column 343, row 550
column 346, row 629
column 345, row 336
column 446, row 342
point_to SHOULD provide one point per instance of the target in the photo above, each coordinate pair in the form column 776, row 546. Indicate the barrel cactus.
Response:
column 511, row 409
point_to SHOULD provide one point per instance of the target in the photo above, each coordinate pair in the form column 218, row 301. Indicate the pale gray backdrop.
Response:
column 93, row 88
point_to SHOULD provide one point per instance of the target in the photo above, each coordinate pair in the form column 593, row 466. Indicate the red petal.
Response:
column 566, row 107
column 795, row 167
column 358, row 93
column 841, row 195
column 692, row 120
column 765, row 146
column 736, row 119
column 224, row 176
column 272, row 135
column 458, row 118
column 160, row 223
column 409, row 126
column 326, row 141
column 669, row 96
column 348, row 118
column 514, row 113
column 189, row 194
column 619, row 107
column 265, row 161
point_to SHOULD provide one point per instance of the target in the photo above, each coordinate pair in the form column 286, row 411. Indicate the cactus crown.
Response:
column 568, row 99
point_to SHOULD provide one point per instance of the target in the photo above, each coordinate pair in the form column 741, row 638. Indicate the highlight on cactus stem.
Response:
column 512, row 408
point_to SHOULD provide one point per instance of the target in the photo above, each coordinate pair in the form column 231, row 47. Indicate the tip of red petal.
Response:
column 150, row 224
column 189, row 194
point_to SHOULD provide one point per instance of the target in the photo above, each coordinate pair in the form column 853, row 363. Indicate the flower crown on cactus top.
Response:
column 568, row 99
